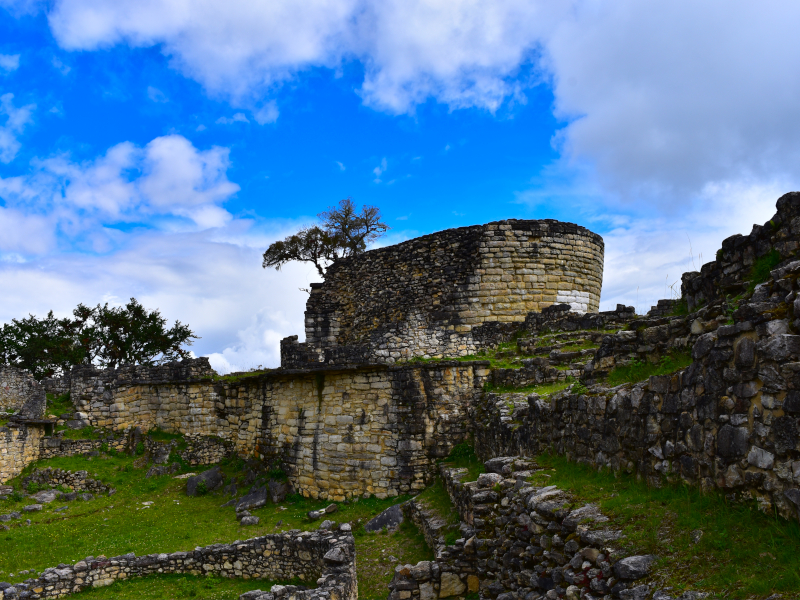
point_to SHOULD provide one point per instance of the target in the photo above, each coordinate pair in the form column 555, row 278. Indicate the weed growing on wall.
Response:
column 761, row 268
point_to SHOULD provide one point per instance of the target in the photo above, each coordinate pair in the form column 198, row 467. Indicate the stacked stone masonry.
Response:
column 432, row 296
column 323, row 559
column 17, row 387
column 521, row 542
column 339, row 433
column 77, row 481
column 727, row 276
column 731, row 420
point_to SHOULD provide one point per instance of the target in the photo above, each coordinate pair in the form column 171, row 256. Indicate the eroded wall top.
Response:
column 439, row 294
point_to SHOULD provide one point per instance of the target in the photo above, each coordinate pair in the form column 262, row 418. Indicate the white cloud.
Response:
column 340, row 165
column 9, row 62
column 667, row 97
column 267, row 113
column 168, row 184
column 237, row 118
column 16, row 120
column 379, row 170
column 213, row 282
column 461, row 52
column 644, row 254
column 156, row 95
column 60, row 66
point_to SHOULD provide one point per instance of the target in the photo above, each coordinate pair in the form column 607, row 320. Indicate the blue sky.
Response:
column 155, row 148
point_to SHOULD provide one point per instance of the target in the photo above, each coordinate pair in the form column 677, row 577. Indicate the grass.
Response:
column 761, row 268
column 463, row 456
column 158, row 587
column 85, row 433
column 118, row 524
column 377, row 552
column 437, row 499
column 742, row 552
column 58, row 405
column 543, row 389
column 639, row 370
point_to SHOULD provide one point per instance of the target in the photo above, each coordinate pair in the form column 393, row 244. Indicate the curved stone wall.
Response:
column 447, row 294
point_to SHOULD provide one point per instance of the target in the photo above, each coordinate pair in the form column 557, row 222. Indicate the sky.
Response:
column 155, row 148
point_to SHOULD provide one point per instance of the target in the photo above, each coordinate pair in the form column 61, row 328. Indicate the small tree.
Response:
column 343, row 232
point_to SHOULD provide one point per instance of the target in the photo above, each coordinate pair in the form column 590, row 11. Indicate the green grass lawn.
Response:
column 118, row 524
column 543, row 389
column 742, row 552
column 168, row 586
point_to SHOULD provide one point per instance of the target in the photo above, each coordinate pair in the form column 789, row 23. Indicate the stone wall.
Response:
column 54, row 446
column 432, row 296
column 19, row 446
column 17, row 386
column 339, row 432
column 731, row 420
column 728, row 274
column 77, row 481
column 523, row 542
column 205, row 449
column 323, row 559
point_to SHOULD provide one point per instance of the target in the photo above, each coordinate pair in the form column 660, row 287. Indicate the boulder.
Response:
column 212, row 479
column 278, row 490
column 32, row 508
column 634, row 567
column 86, row 497
column 251, row 520
column 390, row 518
column 255, row 499
column 45, row 496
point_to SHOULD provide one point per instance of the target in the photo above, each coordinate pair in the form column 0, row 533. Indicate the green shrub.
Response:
column 202, row 488
column 139, row 449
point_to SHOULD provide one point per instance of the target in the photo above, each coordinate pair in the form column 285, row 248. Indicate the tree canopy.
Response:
column 104, row 336
column 343, row 231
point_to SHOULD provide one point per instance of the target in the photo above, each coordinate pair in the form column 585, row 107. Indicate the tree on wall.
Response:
column 104, row 336
column 343, row 231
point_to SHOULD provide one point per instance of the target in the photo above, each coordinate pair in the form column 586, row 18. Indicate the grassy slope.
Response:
column 119, row 524
column 742, row 552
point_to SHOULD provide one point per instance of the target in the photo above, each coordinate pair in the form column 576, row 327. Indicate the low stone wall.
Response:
column 205, row 449
column 322, row 558
column 559, row 317
column 521, row 542
column 19, row 446
column 77, row 481
column 54, row 446
column 534, row 371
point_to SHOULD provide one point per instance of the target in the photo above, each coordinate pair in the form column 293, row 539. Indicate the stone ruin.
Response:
column 352, row 413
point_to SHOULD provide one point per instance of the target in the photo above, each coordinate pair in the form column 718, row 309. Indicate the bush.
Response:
column 202, row 488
